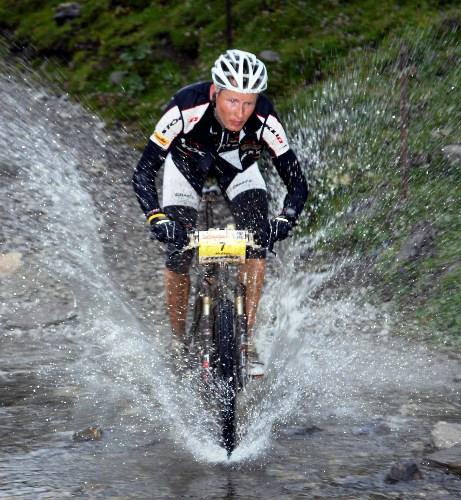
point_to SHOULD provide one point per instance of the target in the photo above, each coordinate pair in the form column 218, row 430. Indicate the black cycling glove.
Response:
column 280, row 227
column 166, row 230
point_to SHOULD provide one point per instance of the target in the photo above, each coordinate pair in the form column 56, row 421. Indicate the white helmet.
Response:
column 239, row 71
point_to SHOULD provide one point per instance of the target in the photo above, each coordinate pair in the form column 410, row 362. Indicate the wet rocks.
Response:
column 378, row 429
column 301, row 430
column 450, row 458
column 446, row 435
column 34, row 298
column 10, row 262
column 403, row 471
column 93, row 433
column 8, row 171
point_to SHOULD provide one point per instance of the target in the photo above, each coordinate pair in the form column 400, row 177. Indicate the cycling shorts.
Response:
column 244, row 192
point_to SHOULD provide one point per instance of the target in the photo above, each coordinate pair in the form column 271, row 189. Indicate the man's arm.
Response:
column 287, row 166
column 145, row 173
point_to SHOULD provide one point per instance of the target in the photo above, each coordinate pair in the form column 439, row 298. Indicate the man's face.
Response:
column 234, row 108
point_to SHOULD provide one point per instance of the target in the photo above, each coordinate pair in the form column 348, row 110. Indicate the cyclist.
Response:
column 218, row 129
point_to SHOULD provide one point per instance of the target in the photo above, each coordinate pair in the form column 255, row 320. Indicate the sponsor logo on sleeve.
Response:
column 278, row 138
column 173, row 122
column 275, row 136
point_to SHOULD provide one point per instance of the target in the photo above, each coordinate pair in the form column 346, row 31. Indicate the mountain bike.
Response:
column 217, row 339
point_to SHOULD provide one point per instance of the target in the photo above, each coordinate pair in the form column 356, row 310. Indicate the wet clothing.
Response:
column 194, row 146
column 249, row 210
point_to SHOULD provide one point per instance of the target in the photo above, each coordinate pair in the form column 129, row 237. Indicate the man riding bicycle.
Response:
column 218, row 129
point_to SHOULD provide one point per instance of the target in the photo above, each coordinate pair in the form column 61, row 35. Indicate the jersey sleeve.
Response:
column 287, row 165
column 274, row 136
column 288, row 168
column 169, row 126
column 145, row 174
column 167, row 129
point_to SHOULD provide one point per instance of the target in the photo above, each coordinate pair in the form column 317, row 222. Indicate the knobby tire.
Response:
column 226, row 365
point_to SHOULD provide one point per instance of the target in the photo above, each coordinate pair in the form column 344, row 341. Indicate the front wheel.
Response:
column 226, row 371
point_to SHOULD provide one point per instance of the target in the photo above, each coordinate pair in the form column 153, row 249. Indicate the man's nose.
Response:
column 240, row 112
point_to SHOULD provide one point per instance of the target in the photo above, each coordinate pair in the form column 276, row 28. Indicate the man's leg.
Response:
column 248, row 202
column 250, row 210
column 180, row 202
column 251, row 274
column 177, row 279
column 177, row 286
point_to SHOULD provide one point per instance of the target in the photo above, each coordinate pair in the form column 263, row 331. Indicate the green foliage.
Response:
column 356, row 181
column 138, row 53
column 133, row 84
column 137, row 36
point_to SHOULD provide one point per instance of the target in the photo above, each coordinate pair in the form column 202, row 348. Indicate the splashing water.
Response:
column 326, row 353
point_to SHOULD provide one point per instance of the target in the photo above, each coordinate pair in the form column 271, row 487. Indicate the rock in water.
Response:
column 90, row 434
column 403, row 471
column 450, row 458
column 10, row 262
column 446, row 435
column 34, row 298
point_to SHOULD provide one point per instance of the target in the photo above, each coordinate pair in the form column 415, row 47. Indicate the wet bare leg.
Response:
column 252, row 275
column 177, row 288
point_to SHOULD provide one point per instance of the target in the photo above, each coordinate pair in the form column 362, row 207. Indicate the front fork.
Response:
column 240, row 331
column 207, row 347
column 207, row 333
column 241, row 335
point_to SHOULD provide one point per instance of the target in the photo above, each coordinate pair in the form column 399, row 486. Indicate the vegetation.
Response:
column 411, row 243
column 159, row 46
column 335, row 81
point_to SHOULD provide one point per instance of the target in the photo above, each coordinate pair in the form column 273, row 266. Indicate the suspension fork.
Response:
column 241, row 333
column 206, row 320
column 206, row 332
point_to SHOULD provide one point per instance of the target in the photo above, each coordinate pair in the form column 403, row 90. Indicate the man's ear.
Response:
column 213, row 92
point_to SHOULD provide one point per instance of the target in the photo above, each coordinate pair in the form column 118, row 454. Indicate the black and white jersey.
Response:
column 199, row 145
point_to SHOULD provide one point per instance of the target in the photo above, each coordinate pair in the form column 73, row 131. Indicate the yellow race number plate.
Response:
column 222, row 245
